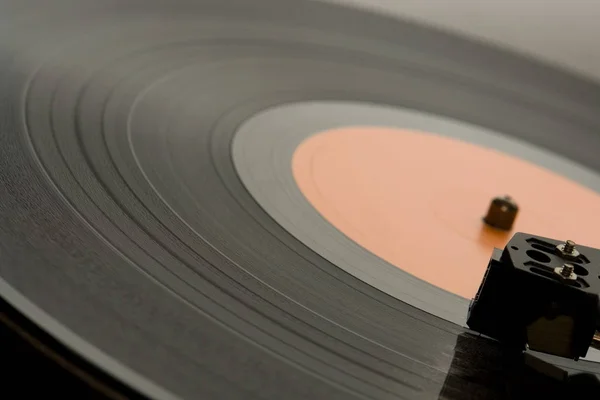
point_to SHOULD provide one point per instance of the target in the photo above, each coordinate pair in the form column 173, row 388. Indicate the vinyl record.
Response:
column 130, row 232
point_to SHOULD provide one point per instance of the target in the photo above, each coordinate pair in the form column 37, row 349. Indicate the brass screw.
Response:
column 567, row 270
column 568, row 250
column 569, row 247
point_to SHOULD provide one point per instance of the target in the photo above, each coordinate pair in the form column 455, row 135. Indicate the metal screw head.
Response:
column 569, row 246
column 567, row 250
column 566, row 272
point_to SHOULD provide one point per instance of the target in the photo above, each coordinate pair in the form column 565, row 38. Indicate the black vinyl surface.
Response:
column 122, row 217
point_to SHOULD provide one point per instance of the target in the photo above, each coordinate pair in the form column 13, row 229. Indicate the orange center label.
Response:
column 417, row 199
